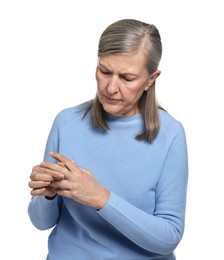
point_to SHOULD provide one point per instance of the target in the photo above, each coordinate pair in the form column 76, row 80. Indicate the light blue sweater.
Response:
column 144, row 216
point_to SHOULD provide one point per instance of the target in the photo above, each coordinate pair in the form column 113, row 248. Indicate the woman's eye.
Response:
column 127, row 79
column 105, row 72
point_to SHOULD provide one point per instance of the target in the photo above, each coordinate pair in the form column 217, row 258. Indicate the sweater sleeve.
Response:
column 161, row 231
column 42, row 212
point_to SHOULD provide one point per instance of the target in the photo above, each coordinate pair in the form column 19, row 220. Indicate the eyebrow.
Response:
column 101, row 65
column 121, row 74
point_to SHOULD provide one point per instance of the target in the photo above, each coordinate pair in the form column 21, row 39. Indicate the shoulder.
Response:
column 70, row 114
column 78, row 110
column 169, row 125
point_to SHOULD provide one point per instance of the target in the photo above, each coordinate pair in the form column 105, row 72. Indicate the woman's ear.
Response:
column 154, row 76
column 152, row 79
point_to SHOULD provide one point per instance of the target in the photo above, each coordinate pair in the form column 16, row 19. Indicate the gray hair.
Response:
column 129, row 36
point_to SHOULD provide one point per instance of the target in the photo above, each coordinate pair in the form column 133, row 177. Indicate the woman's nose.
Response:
column 112, row 86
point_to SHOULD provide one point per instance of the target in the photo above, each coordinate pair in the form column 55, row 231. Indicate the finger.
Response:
column 59, row 157
column 46, row 170
column 37, row 192
column 64, row 193
column 55, row 170
column 63, row 164
column 72, row 166
column 60, row 185
column 38, row 184
column 63, row 161
column 41, row 174
column 66, row 162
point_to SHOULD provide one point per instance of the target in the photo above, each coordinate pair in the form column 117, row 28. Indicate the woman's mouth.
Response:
column 112, row 101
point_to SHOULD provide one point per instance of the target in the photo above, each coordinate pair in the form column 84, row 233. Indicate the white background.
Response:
column 48, row 55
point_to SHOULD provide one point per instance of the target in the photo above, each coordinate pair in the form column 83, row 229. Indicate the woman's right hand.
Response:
column 40, row 180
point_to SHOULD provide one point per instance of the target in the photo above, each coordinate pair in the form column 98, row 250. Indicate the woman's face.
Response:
column 121, row 80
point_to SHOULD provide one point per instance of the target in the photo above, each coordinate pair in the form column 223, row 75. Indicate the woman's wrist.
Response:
column 103, row 200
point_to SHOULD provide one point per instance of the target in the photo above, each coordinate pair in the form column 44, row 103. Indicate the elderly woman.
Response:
column 113, row 182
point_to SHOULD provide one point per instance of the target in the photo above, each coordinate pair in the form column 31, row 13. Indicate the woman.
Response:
column 114, row 178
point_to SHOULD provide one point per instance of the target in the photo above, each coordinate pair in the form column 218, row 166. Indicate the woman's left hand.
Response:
column 78, row 184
